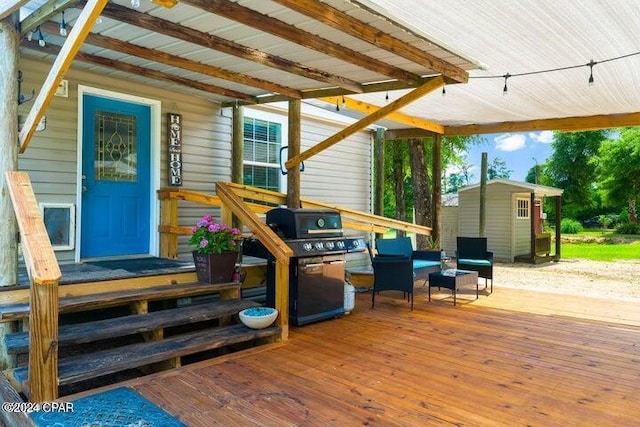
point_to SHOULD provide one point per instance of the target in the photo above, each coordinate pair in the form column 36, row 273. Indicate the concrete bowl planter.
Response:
column 258, row 317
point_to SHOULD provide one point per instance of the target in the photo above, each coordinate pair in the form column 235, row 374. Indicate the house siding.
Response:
column 340, row 175
column 449, row 229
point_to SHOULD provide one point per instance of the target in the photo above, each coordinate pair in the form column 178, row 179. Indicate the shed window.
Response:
column 523, row 210
column 262, row 141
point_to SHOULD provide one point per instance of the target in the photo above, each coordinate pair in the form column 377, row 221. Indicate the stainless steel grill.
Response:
column 317, row 268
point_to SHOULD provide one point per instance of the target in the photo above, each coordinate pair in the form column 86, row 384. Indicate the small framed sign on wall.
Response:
column 174, row 157
column 60, row 222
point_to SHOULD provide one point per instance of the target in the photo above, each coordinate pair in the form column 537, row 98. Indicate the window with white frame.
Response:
column 522, row 209
column 262, row 142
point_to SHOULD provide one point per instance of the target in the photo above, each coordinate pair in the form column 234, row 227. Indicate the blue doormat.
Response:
column 120, row 407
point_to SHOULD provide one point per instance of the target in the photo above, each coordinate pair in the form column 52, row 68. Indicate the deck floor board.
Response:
column 511, row 358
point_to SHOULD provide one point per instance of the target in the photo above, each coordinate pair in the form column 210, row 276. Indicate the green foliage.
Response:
column 618, row 167
column 497, row 169
column 571, row 168
column 570, row 226
column 628, row 228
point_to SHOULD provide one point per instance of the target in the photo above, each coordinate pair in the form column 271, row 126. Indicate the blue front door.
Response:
column 115, row 178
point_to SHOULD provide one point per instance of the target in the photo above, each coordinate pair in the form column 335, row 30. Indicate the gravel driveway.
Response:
column 618, row 280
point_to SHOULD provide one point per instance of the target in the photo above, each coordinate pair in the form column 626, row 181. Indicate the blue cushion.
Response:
column 474, row 261
column 421, row 263
column 397, row 246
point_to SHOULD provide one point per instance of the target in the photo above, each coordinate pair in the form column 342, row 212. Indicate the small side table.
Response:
column 462, row 277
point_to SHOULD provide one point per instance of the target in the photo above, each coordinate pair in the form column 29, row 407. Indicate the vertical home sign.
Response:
column 175, row 149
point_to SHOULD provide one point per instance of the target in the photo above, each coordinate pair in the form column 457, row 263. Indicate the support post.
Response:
column 482, row 224
column 237, row 150
column 8, row 162
column 378, row 155
column 532, row 211
column 8, row 148
column 558, row 227
column 437, row 188
column 293, row 172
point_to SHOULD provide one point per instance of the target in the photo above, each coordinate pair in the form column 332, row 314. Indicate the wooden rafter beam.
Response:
column 43, row 13
column 9, row 6
column 152, row 23
column 321, row 93
column 567, row 124
column 363, row 107
column 257, row 20
column 179, row 62
column 339, row 20
column 63, row 61
column 406, row 99
column 141, row 71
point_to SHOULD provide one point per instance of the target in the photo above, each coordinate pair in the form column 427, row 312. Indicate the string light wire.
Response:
column 589, row 64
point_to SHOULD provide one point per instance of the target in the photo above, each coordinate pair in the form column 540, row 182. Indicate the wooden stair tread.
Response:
column 86, row 366
column 108, row 299
column 126, row 325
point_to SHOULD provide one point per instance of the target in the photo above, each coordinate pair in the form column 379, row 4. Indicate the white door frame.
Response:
column 154, row 176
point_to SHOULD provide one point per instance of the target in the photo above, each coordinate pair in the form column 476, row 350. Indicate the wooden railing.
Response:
column 245, row 203
column 543, row 244
column 44, row 274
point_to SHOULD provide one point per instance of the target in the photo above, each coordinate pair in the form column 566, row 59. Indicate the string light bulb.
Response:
column 386, row 98
column 135, row 4
column 41, row 41
column 444, row 91
column 505, row 89
column 344, row 101
column 337, row 105
column 63, row 26
column 591, row 64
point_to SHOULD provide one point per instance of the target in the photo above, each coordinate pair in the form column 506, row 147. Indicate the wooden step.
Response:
column 86, row 366
column 83, row 333
column 16, row 311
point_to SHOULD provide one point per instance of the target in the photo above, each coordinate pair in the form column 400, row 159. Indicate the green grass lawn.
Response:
column 611, row 249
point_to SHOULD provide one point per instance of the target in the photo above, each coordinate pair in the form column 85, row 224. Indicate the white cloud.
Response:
column 545, row 137
column 509, row 142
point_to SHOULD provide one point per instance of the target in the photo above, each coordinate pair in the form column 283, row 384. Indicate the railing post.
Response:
column 282, row 297
column 43, row 345
column 168, row 220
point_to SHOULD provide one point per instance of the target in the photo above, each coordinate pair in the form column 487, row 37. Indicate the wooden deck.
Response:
column 512, row 358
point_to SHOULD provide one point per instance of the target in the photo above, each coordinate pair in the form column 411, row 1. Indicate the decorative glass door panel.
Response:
column 116, row 147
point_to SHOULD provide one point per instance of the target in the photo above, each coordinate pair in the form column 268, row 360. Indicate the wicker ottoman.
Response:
column 462, row 277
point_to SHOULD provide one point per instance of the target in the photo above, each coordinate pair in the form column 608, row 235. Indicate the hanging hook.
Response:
column 22, row 98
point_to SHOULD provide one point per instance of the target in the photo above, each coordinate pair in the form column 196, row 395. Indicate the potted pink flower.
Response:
column 216, row 250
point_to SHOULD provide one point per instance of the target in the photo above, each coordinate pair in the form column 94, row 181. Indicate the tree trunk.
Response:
column 421, row 189
column 633, row 212
column 398, row 184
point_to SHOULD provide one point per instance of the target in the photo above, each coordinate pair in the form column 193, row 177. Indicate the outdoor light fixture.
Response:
column 30, row 36
column 591, row 64
column 505, row 90
column 41, row 41
column 165, row 3
column 63, row 26
column 135, row 4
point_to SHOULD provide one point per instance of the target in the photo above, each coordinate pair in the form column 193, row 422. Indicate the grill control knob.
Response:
column 330, row 245
column 340, row 244
column 319, row 246
column 307, row 246
column 356, row 244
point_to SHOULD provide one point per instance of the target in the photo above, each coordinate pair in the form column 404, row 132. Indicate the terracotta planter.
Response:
column 215, row 268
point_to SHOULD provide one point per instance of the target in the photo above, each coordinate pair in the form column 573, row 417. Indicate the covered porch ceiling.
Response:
column 373, row 52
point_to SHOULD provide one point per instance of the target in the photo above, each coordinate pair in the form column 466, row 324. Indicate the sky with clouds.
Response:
column 520, row 151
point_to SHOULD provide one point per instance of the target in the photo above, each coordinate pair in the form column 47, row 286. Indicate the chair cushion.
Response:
column 474, row 261
column 397, row 246
column 421, row 263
